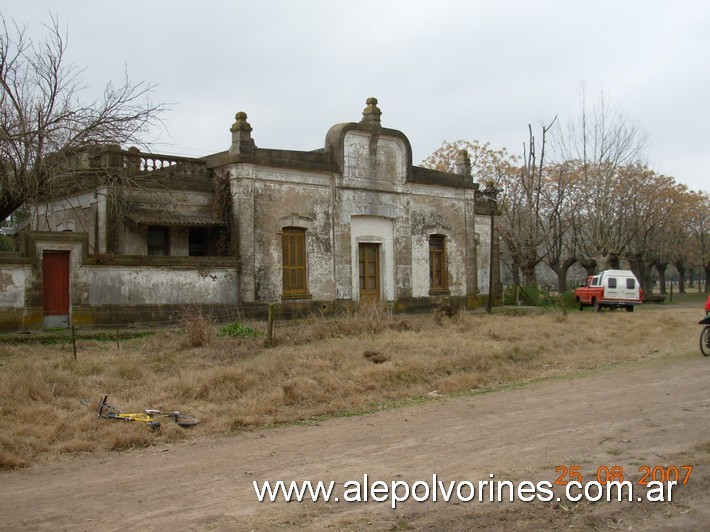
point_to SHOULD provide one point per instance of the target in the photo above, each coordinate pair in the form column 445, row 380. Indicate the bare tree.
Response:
column 43, row 119
column 559, row 206
column 523, row 227
column 602, row 141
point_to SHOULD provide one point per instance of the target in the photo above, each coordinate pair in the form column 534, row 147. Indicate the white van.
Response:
column 611, row 289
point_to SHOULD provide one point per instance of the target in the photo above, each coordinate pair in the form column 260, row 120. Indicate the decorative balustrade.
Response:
column 135, row 162
column 143, row 163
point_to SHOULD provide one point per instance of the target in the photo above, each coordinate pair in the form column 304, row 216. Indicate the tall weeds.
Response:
column 199, row 328
column 319, row 367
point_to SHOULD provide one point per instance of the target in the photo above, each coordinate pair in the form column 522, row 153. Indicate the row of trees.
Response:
column 580, row 194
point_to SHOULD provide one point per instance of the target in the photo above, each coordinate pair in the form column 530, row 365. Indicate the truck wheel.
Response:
column 629, row 308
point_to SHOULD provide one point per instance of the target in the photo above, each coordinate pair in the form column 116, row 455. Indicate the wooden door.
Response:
column 55, row 288
column 369, row 272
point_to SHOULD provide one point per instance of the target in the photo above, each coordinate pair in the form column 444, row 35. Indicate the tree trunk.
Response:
column 529, row 277
column 561, row 277
column 515, row 272
column 562, row 280
column 642, row 271
column 590, row 265
column 561, row 271
column 680, row 266
column 707, row 277
column 516, row 276
column 661, row 269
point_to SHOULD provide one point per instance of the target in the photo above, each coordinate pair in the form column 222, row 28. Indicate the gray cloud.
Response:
column 441, row 70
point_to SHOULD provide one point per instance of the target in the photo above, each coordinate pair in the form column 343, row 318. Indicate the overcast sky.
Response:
column 441, row 70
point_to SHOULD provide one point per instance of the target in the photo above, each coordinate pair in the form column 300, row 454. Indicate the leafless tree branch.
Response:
column 42, row 114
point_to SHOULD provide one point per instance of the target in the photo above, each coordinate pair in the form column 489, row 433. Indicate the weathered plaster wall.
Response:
column 161, row 289
column 167, row 203
column 88, row 213
column 75, row 213
column 12, row 295
column 307, row 207
column 440, row 213
column 78, row 280
column 264, row 201
column 12, row 285
column 135, row 240
column 483, row 229
column 371, row 201
column 381, row 165
column 124, row 285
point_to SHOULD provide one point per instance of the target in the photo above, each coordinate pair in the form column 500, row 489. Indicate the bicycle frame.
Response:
column 111, row 412
column 148, row 416
column 140, row 416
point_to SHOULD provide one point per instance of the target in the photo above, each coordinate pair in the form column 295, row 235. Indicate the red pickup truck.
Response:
column 611, row 289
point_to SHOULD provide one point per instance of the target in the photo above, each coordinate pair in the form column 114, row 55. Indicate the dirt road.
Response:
column 654, row 412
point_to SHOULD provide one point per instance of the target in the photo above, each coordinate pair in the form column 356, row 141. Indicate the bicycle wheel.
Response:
column 705, row 341
column 184, row 420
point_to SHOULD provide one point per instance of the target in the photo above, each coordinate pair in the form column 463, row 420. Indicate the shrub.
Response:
column 527, row 295
column 238, row 329
column 199, row 329
column 539, row 297
column 6, row 243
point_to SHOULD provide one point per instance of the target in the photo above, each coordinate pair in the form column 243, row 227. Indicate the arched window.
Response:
column 67, row 226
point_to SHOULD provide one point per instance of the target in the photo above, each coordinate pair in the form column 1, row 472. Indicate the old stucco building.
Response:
column 143, row 237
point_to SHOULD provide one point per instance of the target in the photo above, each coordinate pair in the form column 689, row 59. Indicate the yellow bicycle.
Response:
column 150, row 417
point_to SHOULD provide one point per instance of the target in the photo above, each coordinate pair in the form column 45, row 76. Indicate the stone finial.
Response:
column 463, row 164
column 242, row 143
column 133, row 161
column 371, row 114
column 490, row 192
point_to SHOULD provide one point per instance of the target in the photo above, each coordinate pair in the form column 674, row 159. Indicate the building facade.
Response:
column 142, row 237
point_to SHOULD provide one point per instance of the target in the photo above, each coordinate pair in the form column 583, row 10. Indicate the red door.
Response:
column 55, row 287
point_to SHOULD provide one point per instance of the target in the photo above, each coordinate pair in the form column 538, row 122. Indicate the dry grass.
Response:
column 318, row 367
column 199, row 328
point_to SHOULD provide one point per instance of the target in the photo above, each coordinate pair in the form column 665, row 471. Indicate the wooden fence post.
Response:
column 73, row 340
column 270, row 326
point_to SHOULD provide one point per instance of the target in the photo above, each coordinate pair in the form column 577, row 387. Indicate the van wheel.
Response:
column 630, row 308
